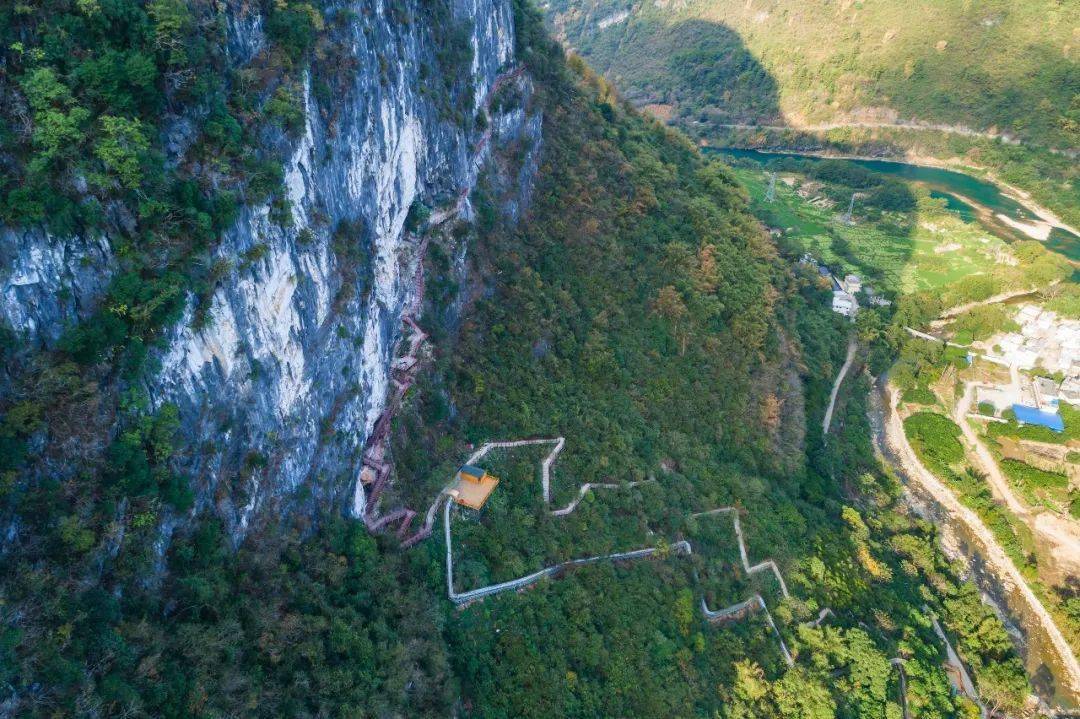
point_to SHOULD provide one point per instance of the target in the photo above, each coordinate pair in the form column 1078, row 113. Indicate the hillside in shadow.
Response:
column 700, row 68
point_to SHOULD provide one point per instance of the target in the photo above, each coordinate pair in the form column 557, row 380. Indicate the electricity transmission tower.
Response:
column 770, row 196
column 846, row 219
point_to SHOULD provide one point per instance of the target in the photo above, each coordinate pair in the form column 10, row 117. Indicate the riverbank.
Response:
column 1044, row 645
column 1016, row 194
column 1058, row 537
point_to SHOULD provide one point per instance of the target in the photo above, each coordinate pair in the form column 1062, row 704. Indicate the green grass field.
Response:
column 929, row 249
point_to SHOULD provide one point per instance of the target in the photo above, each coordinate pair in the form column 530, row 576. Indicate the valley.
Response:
column 989, row 84
column 1048, row 655
column 902, row 258
column 368, row 359
column 1000, row 210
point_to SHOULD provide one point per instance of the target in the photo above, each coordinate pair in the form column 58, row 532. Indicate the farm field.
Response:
column 900, row 253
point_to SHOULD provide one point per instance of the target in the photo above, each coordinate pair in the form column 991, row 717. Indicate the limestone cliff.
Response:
column 282, row 376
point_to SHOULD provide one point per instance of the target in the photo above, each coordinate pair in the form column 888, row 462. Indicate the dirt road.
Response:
column 1060, row 536
column 997, row 562
column 993, row 300
column 851, row 347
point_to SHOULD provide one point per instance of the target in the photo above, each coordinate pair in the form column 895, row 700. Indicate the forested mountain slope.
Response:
column 991, row 67
column 1010, row 67
column 211, row 234
column 185, row 413
column 640, row 314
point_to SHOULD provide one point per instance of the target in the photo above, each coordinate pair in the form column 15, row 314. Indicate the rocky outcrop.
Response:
column 281, row 378
column 48, row 282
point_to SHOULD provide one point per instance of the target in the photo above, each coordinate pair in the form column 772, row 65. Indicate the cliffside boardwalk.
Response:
column 521, row 582
column 898, row 664
column 742, row 610
column 735, row 611
column 375, row 470
column 766, row 566
column 545, row 480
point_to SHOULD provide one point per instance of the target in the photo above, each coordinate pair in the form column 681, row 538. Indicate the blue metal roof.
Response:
column 1030, row 415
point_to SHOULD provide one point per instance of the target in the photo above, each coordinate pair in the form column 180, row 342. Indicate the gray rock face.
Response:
column 282, row 378
column 47, row 282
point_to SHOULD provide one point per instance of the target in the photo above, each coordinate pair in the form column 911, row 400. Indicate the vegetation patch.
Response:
column 935, row 436
column 1036, row 485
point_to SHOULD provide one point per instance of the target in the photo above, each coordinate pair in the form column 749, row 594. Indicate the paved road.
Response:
column 742, row 610
column 996, row 560
column 545, row 481
column 736, row 610
column 852, row 345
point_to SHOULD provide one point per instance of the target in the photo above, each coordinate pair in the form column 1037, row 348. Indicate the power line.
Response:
column 846, row 219
column 770, row 195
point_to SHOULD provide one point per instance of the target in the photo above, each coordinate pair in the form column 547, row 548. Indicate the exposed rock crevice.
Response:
column 283, row 376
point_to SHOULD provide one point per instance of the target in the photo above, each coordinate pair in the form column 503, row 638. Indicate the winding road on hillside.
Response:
column 852, row 346
column 735, row 611
column 891, row 441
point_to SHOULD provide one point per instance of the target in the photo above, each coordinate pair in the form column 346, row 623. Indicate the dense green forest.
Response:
column 639, row 310
column 625, row 323
column 990, row 66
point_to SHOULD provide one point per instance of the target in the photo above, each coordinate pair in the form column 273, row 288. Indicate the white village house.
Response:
column 844, row 303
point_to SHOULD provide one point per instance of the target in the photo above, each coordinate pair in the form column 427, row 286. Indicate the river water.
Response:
column 963, row 193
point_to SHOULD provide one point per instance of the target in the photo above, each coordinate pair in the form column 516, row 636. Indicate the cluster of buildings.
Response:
column 1045, row 341
column 844, row 299
column 844, row 291
column 1033, row 400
